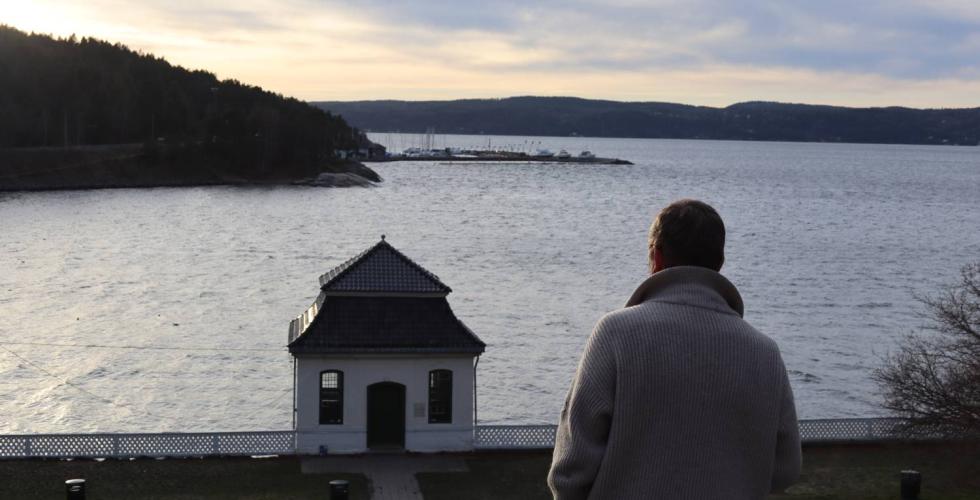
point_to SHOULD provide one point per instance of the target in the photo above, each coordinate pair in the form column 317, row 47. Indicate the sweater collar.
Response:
column 687, row 284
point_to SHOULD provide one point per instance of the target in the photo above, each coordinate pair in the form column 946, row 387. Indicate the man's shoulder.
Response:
column 643, row 316
column 625, row 316
column 648, row 312
column 655, row 316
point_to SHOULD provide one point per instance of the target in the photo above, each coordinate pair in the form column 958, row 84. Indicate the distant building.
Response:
column 376, row 151
column 381, row 361
column 367, row 151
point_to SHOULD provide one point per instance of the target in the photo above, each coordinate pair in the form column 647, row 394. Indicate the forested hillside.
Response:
column 78, row 93
column 567, row 116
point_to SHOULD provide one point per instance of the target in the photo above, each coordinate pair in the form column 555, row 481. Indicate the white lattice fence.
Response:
column 486, row 437
column 514, row 436
column 849, row 429
column 148, row 445
column 811, row 431
column 274, row 443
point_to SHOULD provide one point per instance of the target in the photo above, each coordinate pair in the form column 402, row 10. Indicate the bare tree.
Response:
column 934, row 378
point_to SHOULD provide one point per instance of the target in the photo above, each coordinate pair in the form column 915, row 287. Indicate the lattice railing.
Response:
column 148, row 445
column 849, row 429
column 514, row 436
column 486, row 437
column 811, row 431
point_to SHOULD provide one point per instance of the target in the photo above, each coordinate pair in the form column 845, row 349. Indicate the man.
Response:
column 676, row 396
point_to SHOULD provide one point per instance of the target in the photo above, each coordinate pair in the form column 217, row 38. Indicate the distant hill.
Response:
column 757, row 121
column 88, row 113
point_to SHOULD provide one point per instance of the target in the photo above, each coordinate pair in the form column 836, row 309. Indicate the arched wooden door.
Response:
column 386, row 415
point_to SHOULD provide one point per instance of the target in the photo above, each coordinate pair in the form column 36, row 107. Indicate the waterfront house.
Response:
column 381, row 362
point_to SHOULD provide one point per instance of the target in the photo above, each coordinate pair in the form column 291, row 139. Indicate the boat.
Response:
column 544, row 153
column 563, row 155
column 586, row 155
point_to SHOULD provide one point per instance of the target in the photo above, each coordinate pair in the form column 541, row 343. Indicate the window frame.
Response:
column 440, row 395
column 325, row 416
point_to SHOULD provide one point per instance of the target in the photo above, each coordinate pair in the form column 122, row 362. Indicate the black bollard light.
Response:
column 75, row 489
column 911, row 484
column 339, row 489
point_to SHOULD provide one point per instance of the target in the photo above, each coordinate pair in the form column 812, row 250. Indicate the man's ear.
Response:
column 656, row 260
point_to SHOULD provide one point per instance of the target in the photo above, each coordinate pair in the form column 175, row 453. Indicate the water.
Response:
column 827, row 243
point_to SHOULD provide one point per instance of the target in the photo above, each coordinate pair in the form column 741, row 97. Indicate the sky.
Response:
column 918, row 53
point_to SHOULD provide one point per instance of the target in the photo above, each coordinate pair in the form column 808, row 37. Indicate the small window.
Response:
column 440, row 397
column 331, row 397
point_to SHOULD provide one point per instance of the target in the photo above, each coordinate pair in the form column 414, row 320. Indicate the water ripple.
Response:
column 821, row 237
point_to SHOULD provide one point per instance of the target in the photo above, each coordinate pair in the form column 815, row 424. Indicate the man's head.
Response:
column 687, row 233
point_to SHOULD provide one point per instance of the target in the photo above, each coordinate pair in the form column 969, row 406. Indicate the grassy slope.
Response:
column 840, row 472
column 224, row 478
column 845, row 473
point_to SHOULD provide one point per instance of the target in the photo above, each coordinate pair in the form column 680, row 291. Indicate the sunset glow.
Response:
column 908, row 53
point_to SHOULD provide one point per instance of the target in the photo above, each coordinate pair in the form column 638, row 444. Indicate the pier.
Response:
column 503, row 158
column 457, row 155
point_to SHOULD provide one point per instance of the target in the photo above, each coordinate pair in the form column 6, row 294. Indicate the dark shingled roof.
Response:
column 381, row 302
column 382, row 269
column 384, row 324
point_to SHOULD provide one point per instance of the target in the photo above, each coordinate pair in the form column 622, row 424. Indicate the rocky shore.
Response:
column 347, row 174
column 133, row 166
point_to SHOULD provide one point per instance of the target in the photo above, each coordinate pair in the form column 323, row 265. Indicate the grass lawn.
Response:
column 949, row 472
column 184, row 479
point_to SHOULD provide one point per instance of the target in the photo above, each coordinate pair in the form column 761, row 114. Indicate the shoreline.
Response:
column 124, row 166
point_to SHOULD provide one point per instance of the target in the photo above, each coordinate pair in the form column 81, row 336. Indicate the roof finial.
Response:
column 382, row 237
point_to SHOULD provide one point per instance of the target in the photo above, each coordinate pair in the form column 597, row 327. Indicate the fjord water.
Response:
column 828, row 245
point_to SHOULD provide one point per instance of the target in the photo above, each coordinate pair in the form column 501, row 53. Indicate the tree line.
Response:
column 72, row 92
column 569, row 116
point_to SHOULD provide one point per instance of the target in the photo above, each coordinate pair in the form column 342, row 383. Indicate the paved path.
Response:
column 392, row 476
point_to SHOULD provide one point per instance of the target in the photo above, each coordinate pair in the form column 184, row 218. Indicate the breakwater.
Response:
column 505, row 158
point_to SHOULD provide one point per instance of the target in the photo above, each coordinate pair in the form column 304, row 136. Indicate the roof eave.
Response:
column 472, row 334
column 294, row 332
column 299, row 351
column 380, row 293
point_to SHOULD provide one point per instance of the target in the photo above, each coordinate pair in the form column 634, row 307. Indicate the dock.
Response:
column 501, row 158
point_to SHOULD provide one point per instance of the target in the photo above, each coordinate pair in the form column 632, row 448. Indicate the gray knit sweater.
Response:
column 677, row 397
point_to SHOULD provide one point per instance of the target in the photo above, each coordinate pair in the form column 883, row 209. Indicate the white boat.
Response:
column 586, row 154
column 563, row 155
column 544, row 153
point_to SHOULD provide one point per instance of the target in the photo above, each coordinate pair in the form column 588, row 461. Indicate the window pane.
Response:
column 332, row 397
column 440, row 396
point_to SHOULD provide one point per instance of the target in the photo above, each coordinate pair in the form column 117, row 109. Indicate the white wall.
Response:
column 360, row 371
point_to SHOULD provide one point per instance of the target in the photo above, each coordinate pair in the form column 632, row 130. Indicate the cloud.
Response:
column 903, row 39
column 701, row 51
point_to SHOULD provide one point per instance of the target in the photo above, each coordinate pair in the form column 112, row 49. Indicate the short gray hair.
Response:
column 689, row 233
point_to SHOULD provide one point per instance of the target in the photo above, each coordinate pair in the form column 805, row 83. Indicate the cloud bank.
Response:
column 875, row 52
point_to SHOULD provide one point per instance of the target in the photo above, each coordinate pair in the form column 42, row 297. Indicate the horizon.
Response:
column 908, row 54
column 719, row 106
